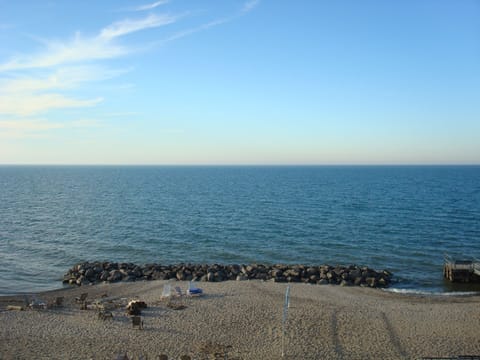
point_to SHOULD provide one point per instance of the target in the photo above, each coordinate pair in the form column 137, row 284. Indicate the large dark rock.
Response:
column 115, row 275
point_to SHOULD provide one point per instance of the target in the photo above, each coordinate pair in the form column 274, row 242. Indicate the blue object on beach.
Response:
column 193, row 290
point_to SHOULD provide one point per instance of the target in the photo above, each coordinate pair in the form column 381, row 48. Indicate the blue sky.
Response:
column 240, row 82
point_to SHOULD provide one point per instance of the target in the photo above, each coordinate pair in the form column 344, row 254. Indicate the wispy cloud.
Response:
column 75, row 51
column 194, row 30
column 63, row 78
column 29, row 95
column 151, row 6
column 33, row 84
column 250, row 5
column 66, row 65
column 81, row 49
column 128, row 26
column 247, row 7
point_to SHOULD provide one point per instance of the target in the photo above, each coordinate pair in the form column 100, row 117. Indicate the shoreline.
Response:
column 331, row 322
column 400, row 291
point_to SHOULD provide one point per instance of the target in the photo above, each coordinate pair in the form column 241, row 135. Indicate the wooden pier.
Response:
column 462, row 271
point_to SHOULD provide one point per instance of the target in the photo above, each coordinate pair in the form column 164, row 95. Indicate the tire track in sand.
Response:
column 394, row 337
column 335, row 337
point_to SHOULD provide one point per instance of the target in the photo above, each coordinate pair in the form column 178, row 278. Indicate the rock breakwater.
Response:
column 96, row 272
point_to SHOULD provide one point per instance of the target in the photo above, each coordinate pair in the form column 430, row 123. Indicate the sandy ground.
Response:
column 245, row 320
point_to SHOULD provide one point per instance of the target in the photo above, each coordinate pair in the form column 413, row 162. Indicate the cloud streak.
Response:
column 37, row 92
column 63, row 78
column 81, row 49
column 30, row 95
column 35, row 83
column 75, row 51
column 202, row 27
column 128, row 26
column 250, row 5
column 247, row 7
column 151, row 6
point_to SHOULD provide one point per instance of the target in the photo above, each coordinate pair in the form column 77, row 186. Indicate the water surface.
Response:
column 399, row 218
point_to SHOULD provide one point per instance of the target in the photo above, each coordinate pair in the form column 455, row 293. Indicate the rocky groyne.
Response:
column 96, row 272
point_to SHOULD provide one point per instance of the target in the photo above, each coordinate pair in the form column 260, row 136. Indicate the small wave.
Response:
column 431, row 293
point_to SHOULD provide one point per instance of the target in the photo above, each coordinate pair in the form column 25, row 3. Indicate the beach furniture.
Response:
column 58, row 302
column 82, row 298
column 26, row 302
column 167, row 291
column 178, row 291
column 38, row 305
column 137, row 322
column 193, row 290
column 105, row 314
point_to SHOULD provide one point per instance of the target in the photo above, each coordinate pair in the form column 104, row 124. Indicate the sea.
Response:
column 401, row 218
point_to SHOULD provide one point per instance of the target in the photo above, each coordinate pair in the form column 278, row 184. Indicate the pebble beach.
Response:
column 242, row 320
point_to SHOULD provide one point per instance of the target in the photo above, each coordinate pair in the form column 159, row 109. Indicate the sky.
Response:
column 240, row 82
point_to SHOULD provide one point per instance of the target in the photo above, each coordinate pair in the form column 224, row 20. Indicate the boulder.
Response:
column 371, row 281
column 210, row 276
column 357, row 281
column 115, row 275
column 180, row 275
column 312, row 271
column 90, row 274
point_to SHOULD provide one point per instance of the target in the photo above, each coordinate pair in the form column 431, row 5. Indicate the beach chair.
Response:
column 58, row 302
column 26, row 302
column 166, row 292
column 38, row 304
column 137, row 322
column 82, row 298
column 178, row 292
column 105, row 314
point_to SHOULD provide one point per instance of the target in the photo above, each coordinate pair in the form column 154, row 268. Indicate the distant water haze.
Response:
column 401, row 218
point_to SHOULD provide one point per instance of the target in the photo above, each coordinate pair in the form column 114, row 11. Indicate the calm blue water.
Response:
column 399, row 218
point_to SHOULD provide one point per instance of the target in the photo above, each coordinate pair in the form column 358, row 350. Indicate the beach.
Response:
column 243, row 319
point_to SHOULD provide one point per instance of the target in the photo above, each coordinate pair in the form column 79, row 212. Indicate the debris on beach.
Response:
column 176, row 306
column 135, row 307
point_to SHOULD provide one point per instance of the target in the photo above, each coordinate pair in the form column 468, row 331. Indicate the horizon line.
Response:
column 240, row 164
